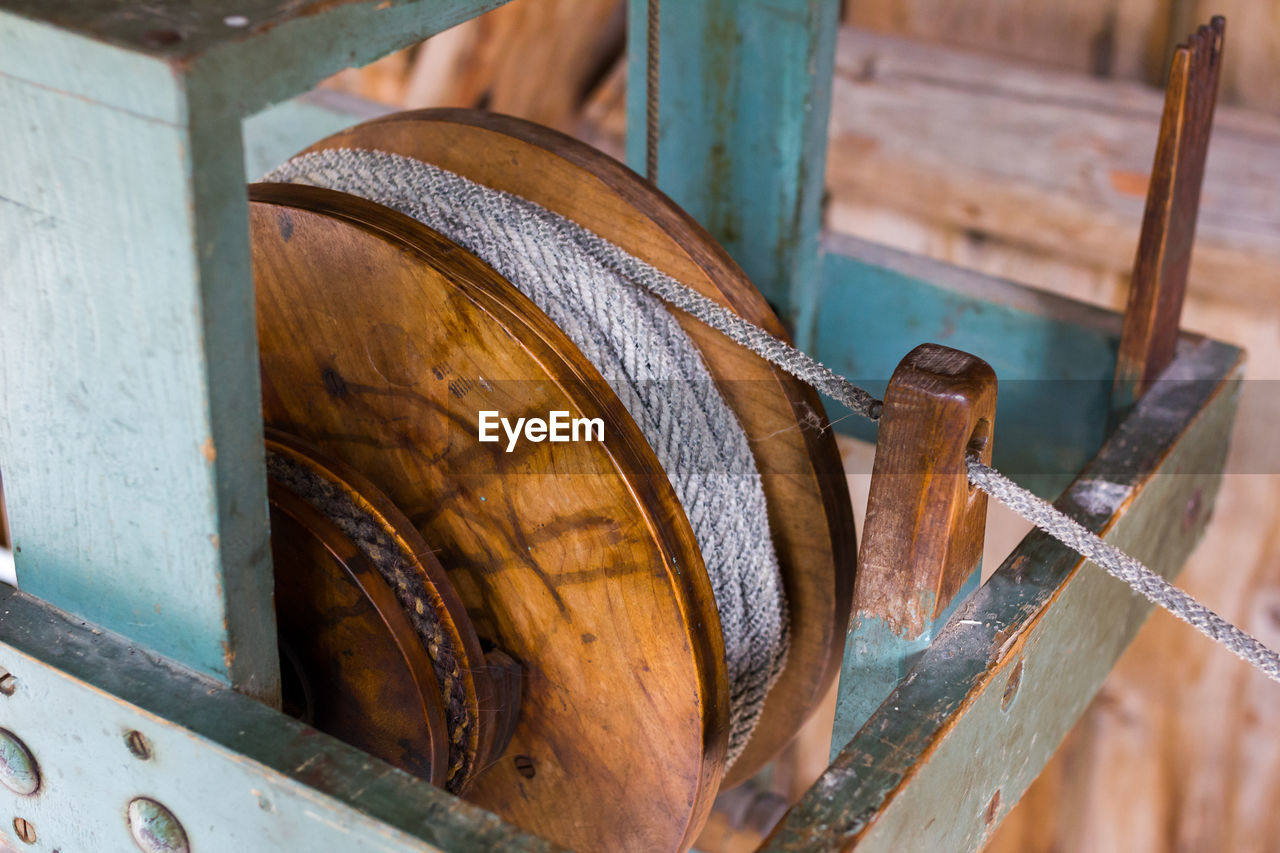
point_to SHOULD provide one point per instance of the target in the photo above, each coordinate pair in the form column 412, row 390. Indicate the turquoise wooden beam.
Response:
column 951, row 750
column 130, row 435
column 131, row 431
column 745, row 91
column 235, row 774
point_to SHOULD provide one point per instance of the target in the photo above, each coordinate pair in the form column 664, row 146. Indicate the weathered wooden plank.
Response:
column 952, row 749
column 1055, row 357
column 744, row 97
column 1076, row 195
column 236, row 774
column 131, row 432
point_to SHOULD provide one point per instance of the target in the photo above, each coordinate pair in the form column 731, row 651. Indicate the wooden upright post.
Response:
column 922, row 540
column 1151, row 317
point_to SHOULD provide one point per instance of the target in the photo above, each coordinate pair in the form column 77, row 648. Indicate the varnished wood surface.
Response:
column 809, row 512
column 924, row 529
column 351, row 664
column 1163, row 259
column 470, row 681
column 380, row 342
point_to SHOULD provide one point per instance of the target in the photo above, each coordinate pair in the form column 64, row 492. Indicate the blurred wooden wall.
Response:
column 1015, row 137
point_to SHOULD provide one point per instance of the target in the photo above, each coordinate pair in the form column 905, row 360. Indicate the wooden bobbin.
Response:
column 355, row 666
column 381, row 342
column 924, row 529
column 810, row 515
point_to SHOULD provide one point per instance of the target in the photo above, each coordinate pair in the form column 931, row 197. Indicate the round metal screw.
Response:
column 137, row 744
column 524, row 766
column 25, row 830
column 154, row 828
column 8, row 683
column 18, row 769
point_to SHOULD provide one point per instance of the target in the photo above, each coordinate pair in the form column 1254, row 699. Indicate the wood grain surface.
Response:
column 480, row 723
column 809, row 512
column 381, row 342
column 924, row 529
column 351, row 664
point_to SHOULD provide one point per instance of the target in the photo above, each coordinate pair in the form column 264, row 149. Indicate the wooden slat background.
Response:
column 1015, row 137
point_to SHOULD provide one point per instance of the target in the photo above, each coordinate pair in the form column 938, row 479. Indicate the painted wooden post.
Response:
column 130, row 425
column 745, row 91
column 922, row 541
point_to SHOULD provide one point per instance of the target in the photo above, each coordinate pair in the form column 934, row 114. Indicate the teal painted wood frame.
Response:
column 236, row 774
column 1054, row 358
column 951, row 750
column 131, row 432
column 744, row 95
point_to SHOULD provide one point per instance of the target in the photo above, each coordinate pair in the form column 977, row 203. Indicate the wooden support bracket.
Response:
column 923, row 536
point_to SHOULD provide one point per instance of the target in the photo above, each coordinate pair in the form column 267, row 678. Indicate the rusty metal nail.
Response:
column 137, row 744
column 155, row 829
column 993, row 808
column 1011, row 687
column 18, row 769
column 524, row 766
column 161, row 37
column 8, row 683
column 25, row 829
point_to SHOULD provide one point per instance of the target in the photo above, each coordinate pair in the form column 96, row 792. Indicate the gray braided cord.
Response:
column 1120, row 565
column 582, row 283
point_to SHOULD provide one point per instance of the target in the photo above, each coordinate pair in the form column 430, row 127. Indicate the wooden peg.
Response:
column 924, row 529
column 1151, row 317
column 923, row 536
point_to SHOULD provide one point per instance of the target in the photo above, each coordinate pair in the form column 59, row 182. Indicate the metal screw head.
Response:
column 524, row 766
column 18, row 769
column 25, row 830
column 154, row 828
column 8, row 683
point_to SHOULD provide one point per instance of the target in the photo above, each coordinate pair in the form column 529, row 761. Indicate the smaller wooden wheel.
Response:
column 376, row 648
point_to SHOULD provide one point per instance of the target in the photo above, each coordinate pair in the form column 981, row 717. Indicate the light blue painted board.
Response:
column 277, row 133
column 290, row 51
column 745, row 91
column 36, row 51
column 237, row 775
column 130, row 429
column 1054, row 358
column 236, row 57
column 876, row 659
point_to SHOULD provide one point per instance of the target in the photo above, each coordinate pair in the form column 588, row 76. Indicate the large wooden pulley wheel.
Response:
column 573, row 563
